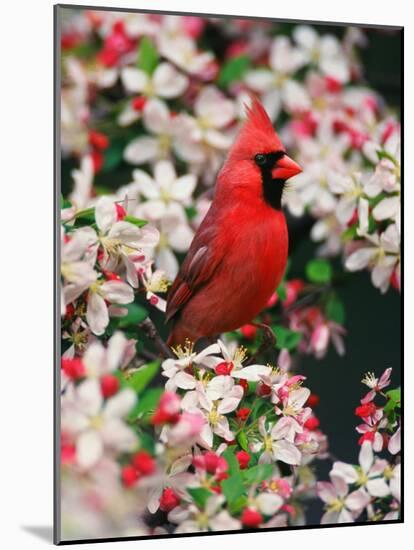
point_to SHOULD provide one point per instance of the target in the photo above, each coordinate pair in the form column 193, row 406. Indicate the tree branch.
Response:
column 268, row 341
column 150, row 330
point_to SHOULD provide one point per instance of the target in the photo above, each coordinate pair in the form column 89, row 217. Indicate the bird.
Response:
column 239, row 253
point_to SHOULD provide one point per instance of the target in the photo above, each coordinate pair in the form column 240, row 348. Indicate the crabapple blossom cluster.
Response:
column 221, row 437
column 103, row 265
column 372, row 488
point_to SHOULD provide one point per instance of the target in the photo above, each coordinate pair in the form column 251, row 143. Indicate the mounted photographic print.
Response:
column 228, row 305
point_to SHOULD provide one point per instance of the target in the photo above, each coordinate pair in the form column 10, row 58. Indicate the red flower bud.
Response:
column 120, row 212
column 332, row 84
column 168, row 410
column 312, row 423
column 289, row 509
column 138, row 103
column 98, row 140
column 395, row 281
column 144, row 463
column 129, row 476
column 243, row 413
column 118, row 27
column 110, row 276
column 251, row 517
column 107, row 57
column 293, row 289
column 109, row 385
column 367, row 436
column 73, row 368
column 263, row 390
column 243, row 458
column 224, row 368
column 168, row 500
column 366, row 410
column 70, row 311
column 97, row 160
column 249, row 331
column 244, row 384
column 211, row 461
column 67, row 454
column 221, row 475
column 313, row 400
column 70, row 40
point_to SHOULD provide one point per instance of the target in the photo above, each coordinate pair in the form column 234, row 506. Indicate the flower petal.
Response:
column 97, row 315
column 141, row 150
column 120, row 404
column 134, row 80
column 89, row 449
column 105, row 214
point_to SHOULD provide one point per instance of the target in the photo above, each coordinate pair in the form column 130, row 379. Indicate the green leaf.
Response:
column 135, row 221
column 243, row 441
column 146, row 404
column 147, row 442
column 147, row 55
column 200, row 495
column 64, row 203
column 319, row 271
column 85, row 217
column 234, row 467
column 281, row 292
column 84, row 50
column 233, row 488
column 394, row 400
column 259, row 408
column 113, row 155
column 335, row 310
column 258, row 473
column 191, row 212
column 233, row 70
column 286, row 338
column 382, row 154
column 349, row 234
column 135, row 315
column 238, row 505
column 143, row 376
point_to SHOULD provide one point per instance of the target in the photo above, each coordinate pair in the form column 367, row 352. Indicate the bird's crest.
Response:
column 257, row 134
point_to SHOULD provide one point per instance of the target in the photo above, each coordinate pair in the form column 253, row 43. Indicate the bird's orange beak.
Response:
column 285, row 168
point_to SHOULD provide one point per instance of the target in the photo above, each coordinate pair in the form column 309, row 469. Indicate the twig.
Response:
column 148, row 327
column 147, row 354
column 306, row 300
column 269, row 340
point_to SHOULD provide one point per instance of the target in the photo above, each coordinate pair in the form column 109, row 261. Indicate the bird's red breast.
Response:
column 239, row 253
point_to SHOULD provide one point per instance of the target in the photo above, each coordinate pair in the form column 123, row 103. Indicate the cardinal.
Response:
column 238, row 255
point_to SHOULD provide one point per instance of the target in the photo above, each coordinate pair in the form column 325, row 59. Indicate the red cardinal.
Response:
column 238, row 255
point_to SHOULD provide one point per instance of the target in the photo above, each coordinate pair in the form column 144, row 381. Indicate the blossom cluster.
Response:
column 373, row 487
column 218, row 438
column 232, row 444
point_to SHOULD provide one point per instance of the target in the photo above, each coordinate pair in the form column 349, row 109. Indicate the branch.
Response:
column 148, row 327
column 306, row 300
column 269, row 341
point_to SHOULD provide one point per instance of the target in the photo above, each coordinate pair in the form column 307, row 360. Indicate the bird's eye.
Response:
column 260, row 159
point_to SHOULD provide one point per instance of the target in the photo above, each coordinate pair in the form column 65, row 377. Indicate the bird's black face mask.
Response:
column 272, row 187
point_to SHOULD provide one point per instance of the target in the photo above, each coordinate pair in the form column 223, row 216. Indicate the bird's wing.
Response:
column 197, row 269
